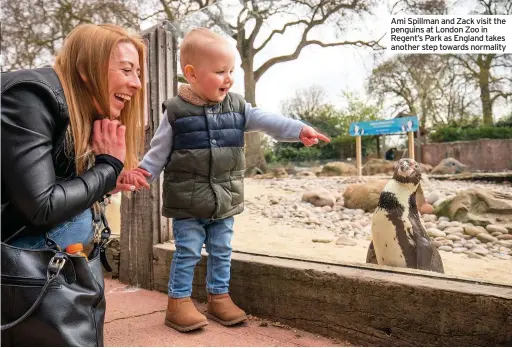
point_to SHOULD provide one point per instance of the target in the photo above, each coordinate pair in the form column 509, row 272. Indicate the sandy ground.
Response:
column 257, row 234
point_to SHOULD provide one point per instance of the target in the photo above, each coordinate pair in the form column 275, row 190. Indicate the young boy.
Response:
column 200, row 142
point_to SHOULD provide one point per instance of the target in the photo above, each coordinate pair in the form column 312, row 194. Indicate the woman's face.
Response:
column 123, row 77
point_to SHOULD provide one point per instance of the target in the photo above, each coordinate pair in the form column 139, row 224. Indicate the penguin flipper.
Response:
column 424, row 252
column 371, row 257
column 427, row 256
column 437, row 262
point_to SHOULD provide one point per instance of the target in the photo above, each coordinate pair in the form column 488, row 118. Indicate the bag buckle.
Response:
column 55, row 266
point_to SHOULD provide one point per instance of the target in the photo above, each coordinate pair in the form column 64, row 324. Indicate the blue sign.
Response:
column 393, row 126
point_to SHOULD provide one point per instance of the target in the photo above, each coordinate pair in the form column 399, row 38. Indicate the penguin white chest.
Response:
column 385, row 240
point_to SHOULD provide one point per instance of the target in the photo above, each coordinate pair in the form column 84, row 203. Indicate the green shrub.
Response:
column 449, row 134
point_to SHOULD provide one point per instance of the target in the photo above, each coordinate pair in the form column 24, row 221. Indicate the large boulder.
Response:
column 425, row 168
column 378, row 166
column 338, row 169
column 319, row 198
column 478, row 206
column 366, row 196
column 450, row 166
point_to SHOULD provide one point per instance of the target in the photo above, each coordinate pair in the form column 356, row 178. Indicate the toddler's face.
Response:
column 214, row 73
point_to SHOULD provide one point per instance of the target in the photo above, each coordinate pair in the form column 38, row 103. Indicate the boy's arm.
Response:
column 160, row 149
column 279, row 127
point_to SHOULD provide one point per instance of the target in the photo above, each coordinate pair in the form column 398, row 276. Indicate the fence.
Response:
column 142, row 224
column 483, row 154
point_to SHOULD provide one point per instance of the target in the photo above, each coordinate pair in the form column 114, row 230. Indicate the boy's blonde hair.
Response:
column 193, row 46
column 86, row 52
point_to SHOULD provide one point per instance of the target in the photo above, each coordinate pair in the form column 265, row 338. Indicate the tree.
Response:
column 34, row 30
column 245, row 24
column 423, row 85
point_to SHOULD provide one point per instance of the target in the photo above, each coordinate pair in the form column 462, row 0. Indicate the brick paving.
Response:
column 135, row 317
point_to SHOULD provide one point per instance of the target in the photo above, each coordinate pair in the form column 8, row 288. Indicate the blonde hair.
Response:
column 194, row 43
column 86, row 52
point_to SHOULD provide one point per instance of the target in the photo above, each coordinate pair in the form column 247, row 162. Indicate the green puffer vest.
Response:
column 205, row 174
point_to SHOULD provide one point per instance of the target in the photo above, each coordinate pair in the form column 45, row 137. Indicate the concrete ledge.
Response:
column 364, row 305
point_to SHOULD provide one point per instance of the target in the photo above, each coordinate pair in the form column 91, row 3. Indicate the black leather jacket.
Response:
column 40, row 187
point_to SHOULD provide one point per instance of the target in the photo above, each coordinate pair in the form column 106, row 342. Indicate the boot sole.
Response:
column 224, row 322
column 186, row 328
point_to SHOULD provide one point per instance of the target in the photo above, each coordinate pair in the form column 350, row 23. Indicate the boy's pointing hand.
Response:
column 308, row 136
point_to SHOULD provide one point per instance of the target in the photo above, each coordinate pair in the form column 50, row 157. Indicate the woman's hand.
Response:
column 108, row 138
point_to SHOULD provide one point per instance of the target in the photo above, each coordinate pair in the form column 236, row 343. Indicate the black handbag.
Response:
column 51, row 298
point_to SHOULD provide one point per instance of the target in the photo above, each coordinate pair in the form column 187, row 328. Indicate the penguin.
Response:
column 399, row 239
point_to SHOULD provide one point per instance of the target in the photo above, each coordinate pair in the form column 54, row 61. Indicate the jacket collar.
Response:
column 186, row 93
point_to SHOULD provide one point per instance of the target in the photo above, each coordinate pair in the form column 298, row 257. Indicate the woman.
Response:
column 67, row 133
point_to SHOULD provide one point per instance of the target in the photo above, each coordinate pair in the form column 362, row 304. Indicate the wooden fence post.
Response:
column 142, row 225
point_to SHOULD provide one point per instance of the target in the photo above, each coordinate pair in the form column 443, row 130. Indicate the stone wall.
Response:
column 483, row 154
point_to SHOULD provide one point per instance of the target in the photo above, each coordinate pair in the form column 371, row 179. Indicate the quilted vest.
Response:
column 204, row 177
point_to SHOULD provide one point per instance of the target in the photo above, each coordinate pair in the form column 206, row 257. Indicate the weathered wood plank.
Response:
column 141, row 222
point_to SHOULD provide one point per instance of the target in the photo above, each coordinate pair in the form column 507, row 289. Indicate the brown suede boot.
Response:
column 222, row 309
column 183, row 316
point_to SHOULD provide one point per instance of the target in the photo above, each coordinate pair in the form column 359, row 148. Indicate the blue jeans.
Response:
column 78, row 229
column 189, row 236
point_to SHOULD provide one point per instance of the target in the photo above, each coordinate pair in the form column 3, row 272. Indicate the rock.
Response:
column 480, row 251
column 432, row 198
column 473, row 255
column 458, row 250
column 274, row 201
column 429, row 218
column 338, row 169
column 326, row 208
column 479, row 206
column 496, row 228
column 322, row 240
column 429, row 225
column 452, row 237
column 443, row 218
column 319, row 198
column 474, row 230
column 442, row 225
column 377, row 166
column 484, row 237
column 434, row 232
column 342, row 240
column 364, row 196
column 496, row 234
column 425, row 168
column 280, row 173
column 504, row 257
column 426, row 209
column 306, row 174
column 449, row 166
column 505, row 243
column 451, row 230
column 505, row 237
column 445, row 248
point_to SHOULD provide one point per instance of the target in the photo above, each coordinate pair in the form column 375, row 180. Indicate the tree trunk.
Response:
column 254, row 157
column 485, row 94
